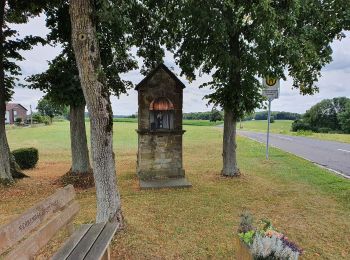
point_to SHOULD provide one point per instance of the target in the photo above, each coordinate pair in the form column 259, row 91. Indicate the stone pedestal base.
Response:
column 165, row 183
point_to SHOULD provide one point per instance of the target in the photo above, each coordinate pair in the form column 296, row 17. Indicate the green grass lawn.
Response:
column 309, row 204
column 284, row 127
column 185, row 122
column 125, row 120
column 201, row 123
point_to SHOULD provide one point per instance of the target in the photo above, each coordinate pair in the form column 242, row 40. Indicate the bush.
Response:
column 301, row 126
column 26, row 158
column 46, row 120
column 38, row 118
column 18, row 121
column 324, row 130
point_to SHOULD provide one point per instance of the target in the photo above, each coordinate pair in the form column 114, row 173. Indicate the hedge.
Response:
column 26, row 158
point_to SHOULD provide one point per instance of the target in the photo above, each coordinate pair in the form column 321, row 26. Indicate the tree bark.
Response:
column 230, row 167
column 87, row 54
column 5, row 167
column 79, row 147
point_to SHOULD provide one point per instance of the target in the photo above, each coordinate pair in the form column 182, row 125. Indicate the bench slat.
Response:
column 13, row 232
column 29, row 247
column 86, row 243
column 103, row 241
column 69, row 246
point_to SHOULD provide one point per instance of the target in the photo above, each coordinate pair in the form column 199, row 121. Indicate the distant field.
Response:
column 125, row 120
column 309, row 204
column 185, row 122
column 201, row 123
column 278, row 127
column 284, row 126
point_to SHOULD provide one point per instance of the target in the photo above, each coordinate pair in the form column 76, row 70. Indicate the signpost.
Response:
column 271, row 90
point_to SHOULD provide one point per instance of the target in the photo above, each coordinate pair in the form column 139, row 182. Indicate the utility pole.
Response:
column 31, row 116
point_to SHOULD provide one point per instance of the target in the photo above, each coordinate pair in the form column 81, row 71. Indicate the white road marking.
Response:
column 344, row 150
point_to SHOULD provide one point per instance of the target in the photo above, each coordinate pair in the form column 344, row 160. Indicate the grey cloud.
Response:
column 334, row 81
column 341, row 54
column 27, row 97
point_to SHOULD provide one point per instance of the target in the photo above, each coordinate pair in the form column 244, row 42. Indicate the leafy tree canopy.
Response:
column 344, row 118
column 51, row 109
column 325, row 113
column 119, row 28
column 17, row 12
column 60, row 81
column 278, row 115
column 239, row 41
column 216, row 116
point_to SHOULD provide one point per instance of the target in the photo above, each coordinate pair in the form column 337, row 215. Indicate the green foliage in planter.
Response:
column 247, row 237
column 265, row 242
column 26, row 158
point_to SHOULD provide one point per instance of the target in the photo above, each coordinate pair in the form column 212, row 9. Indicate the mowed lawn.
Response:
column 284, row 127
column 184, row 122
column 309, row 204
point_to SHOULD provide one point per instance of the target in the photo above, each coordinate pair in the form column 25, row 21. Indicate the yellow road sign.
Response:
column 271, row 87
column 270, row 81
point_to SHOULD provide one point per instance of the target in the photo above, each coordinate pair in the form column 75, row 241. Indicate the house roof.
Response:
column 10, row 106
column 162, row 67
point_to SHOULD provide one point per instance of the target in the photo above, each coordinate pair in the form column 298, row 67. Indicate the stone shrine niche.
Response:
column 159, row 156
column 161, row 114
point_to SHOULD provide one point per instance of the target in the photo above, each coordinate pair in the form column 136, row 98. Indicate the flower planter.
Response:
column 242, row 250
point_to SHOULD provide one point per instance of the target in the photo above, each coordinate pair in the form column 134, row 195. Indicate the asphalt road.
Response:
column 332, row 155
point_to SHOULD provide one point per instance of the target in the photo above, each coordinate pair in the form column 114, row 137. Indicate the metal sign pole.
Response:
column 271, row 90
column 31, row 116
column 268, row 130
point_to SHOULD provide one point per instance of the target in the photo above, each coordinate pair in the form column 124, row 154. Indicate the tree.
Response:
column 325, row 113
column 62, row 86
column 61, row 80
column 344, row 118
column 96, row 92
column 243, row 40
column 12, row 12
column 115, row 27
column 215, row 115
column 197, row 115
column 47, row 107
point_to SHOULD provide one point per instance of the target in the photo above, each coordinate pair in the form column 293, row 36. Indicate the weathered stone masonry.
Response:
column 160, row 126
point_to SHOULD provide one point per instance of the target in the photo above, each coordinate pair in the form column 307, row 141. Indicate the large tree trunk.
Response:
column 5, row 167
column 229, row 155
column 79, row 147
column 96, row 94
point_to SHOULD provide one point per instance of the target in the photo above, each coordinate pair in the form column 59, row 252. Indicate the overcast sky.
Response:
column 335, row 80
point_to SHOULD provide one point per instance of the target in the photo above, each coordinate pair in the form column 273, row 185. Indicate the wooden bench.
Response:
column 27, row 234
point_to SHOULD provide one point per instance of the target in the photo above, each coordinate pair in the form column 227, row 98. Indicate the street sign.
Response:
column 271, row 88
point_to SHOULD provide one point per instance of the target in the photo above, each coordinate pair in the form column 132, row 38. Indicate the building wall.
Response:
column 21, row 113
column 17, row 112
column 7, row 117
column 160, row 151
column 160, row 156
column 160, row 85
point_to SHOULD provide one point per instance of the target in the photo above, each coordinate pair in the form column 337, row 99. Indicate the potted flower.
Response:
column 264, row 242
